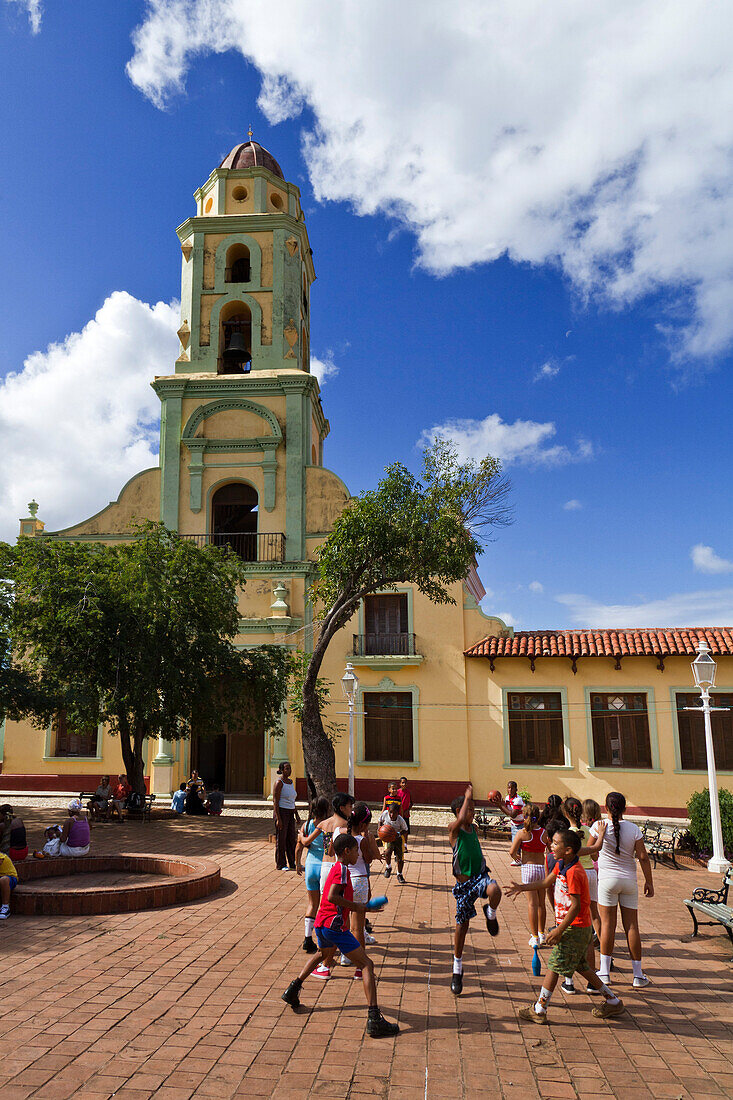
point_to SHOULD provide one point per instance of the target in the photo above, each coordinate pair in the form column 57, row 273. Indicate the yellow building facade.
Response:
column 446, row 693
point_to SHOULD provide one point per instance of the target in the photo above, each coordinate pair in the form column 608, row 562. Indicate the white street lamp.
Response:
column 703, row 669
column 350, row 684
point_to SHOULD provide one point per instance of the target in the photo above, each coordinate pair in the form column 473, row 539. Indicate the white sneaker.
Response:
column 369, row 939
column 534, row 941
column 4, row 912
column 605, row 978
column 345, row 961
column 639, row 983
column 541, row 937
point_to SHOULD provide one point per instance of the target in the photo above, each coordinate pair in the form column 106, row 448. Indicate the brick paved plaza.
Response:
column 183, row 1002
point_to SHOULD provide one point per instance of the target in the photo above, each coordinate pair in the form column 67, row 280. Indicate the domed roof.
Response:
column 250, row 154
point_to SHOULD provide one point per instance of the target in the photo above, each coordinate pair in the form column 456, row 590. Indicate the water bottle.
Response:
column 536, row 964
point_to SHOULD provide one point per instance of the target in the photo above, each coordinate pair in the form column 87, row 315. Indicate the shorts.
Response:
column 570, row 953
column 532, row 872
column 360, row 886
column 12, row 880
column 325, row 868
column 394, row 846
column 17, row 855
column 466, row 894
column 614, row 889
column 592, row 876
column 341, row 939
column 313, row 873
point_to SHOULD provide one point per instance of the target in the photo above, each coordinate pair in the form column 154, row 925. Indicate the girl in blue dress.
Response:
column 311, row 840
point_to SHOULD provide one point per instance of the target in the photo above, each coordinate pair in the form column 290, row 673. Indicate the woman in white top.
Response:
column 286, row 819
column 618, row 845
column 358, row 826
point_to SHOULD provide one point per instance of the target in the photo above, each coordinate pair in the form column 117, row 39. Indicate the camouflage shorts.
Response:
column 570, row 953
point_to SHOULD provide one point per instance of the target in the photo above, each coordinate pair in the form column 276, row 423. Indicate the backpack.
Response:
column 135, row 801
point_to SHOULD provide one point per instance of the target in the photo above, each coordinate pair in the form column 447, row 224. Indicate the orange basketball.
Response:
column 387, row 832
column 494, row 796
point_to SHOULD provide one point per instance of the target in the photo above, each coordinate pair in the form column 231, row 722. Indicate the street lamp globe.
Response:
column 704, row 667
column 350, row 683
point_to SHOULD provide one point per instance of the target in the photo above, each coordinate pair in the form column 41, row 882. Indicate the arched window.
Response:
column 237, row 264
column 235, row 339
column 234, row 519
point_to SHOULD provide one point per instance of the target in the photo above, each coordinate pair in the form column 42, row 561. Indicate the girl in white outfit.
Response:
column 358, row 827
column 617, row 843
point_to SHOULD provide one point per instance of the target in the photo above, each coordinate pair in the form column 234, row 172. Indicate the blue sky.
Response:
column 578, row 315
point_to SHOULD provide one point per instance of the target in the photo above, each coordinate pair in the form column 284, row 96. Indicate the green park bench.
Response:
column 714, row 904
column 661, row 841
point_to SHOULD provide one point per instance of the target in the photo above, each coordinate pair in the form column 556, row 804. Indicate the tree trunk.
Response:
column 320, row 759
column 131, row 745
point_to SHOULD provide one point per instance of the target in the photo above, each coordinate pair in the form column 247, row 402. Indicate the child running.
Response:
column 473, row 880
column 529, row 845
column 338, row 899
column 311, row 839
column 391, row 816
column 573, row 933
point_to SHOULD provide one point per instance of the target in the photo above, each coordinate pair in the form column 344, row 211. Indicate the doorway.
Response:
column 234, row 760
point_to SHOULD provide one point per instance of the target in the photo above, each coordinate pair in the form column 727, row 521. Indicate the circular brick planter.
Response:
column 178, row 881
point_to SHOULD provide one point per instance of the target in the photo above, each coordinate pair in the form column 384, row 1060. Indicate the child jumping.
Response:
column 473, row 880
column 391, row 816
column 573, row 933
column 332, row 934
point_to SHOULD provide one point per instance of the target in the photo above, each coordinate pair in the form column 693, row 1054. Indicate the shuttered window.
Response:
column 535, row 728
column 692, row 732
column 620, row 731
column 385, row 620
column 68, row 742
column 388, row 726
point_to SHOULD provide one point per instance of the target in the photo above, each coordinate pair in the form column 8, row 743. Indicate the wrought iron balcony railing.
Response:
column 263, row 546
column 392, row 645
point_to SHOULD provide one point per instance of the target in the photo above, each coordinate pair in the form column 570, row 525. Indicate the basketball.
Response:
column 387, row 832
column 494, row 796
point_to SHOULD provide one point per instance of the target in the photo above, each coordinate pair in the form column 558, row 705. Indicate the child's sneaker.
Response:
column 639, row 983
column 568, row 987
column 290, row 996
column 456, row 983
column 605, row 978
column 345, row 961
column 4, row 912
column 309, row 945
column 369, row 940
column 532, row 1015
column 387, row 871
column 492, row 923
column 368, row 925
column 357, row 973
column 606, row 1011
column 400, row 878
column 592, row 992
column 379, row 1028
column 321, row 972
column 541, row 937
column 534, row 941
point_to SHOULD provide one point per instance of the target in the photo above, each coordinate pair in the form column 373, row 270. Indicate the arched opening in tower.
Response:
column 234, row 519
column 237, row 268
column 235, row 339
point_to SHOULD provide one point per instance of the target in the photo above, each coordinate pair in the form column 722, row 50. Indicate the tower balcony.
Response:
column 249, row 546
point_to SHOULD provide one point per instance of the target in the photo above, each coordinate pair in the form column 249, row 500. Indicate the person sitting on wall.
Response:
column 179, row 799
column 14, row 842
column 120, row 795
column 195, row 795
column 98, row 805
column 75, row 834
column 215, row 801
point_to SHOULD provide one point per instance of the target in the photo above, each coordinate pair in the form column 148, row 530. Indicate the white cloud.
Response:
column 550, row 369
column 80, row 418
column 537, row 587
column 572, row 506
column 684, row 609
column 34, row 10
column 524, row 441
column 594, row 136
column 705, row 560
column 324, row 368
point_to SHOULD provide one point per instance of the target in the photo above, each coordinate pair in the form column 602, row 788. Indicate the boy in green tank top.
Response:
column 473, row 880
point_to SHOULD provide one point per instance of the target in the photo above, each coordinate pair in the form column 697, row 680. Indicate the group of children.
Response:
column 557, row 858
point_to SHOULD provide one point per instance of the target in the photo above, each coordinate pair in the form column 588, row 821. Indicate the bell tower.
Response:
column 241, row 418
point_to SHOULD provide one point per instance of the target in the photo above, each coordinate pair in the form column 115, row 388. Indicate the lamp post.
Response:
column 703, row 669
column 350, row 684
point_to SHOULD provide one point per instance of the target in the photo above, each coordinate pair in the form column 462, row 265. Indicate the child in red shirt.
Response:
column 574, row 929
column 332, row 933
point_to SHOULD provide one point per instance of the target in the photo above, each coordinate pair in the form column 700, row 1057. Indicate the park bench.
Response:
column 491, row 819
column 714, row 904
column 142, row 812
column 660, row 841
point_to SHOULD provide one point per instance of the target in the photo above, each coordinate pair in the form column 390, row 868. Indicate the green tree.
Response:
column 138, row 635
column 425, row 532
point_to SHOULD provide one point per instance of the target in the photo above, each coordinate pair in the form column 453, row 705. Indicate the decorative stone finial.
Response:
column 33, row 508
column 279, row 608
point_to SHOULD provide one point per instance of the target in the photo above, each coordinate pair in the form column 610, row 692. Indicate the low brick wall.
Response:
column 190, row 879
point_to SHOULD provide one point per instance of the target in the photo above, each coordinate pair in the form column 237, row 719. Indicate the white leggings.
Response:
column 618, row 889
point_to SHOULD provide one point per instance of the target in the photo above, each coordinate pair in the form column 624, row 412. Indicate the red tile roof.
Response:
column 653, row 642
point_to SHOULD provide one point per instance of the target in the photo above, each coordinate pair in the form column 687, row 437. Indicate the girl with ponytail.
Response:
column 529, row 846
column 311, row 840
column 342, row 805
column 357, row 826
column 619, row 844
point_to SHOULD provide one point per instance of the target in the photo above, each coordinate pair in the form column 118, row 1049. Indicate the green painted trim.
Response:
column 255, row 262
column 48, row 753
column 642, row 771
column 222, row 385
column 386, row 663
column 534, row 690
column 63, row 530
column 537, row 768
column 651, row 710
column 698, row 771
column 384, row 686
column 295, row 463
column 2, row 738
column 272, row 625
column 170, row 459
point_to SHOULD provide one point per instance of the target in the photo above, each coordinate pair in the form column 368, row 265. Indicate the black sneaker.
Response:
column 456, row 983
column 309, row 946
column 290, row 996
column 368, row 925
column 387, row 871
column 379, row 1028
column 401, row 879
column 491, row 922
column 568, row 987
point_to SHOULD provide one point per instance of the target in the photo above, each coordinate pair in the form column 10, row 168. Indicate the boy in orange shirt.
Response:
column 574, row 931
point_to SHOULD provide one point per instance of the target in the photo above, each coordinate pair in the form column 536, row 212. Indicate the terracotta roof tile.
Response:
column 657, row 642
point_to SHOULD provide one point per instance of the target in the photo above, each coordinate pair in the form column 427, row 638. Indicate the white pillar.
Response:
column 718, row 864
column 162, row 778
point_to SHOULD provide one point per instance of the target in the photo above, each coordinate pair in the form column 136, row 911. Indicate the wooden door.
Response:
column 246, row 760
